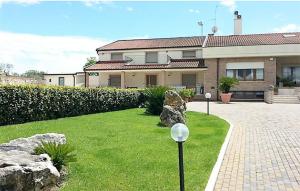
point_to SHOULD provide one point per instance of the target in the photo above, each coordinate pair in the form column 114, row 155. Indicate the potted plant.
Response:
column 226, row 83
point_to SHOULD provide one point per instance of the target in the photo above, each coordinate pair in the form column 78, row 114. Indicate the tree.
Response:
column 33, row 74
column 5, row 68
column 90, row 61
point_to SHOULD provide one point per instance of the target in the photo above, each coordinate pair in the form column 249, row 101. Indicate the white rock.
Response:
column 21, row 170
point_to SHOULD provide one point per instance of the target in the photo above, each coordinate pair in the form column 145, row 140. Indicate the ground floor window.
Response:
column 189, row 80
column 246, row 74
column 292, row 73
column 115, row 81
column 61, row 81
column 248, row 95
column 151, row 80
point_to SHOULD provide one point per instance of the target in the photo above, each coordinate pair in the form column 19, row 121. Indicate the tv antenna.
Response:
column 214, row 29
column 200, row 23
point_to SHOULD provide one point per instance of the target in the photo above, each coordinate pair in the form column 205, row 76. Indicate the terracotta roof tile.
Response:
column 254, row 39
column 177, row 42
column 173, row 64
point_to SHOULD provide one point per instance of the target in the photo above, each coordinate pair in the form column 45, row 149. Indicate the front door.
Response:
column 151, row 80
column 115, row 81
column 189, row 80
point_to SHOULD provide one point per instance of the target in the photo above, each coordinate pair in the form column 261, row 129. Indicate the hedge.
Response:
column 19, row 104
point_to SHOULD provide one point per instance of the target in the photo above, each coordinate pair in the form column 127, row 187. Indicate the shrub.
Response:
column 226, row 83
column 186, row 93
column 19, row 104
column 60, row 154
column 155, row 97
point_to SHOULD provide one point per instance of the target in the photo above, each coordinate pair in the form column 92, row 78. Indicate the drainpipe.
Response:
column 218, row 67
column 73, row 80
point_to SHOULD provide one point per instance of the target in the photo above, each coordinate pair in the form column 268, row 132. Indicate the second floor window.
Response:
column 189, row 54
column 116, row 56
column 151, row 57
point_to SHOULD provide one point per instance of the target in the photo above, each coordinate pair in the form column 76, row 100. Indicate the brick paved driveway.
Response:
column 264, row 147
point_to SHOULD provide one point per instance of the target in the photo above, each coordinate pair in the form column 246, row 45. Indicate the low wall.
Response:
column 18, row 80
column 289, row 91
column 268, row 95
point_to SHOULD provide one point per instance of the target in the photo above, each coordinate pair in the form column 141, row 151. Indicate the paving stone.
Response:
column 264, row 147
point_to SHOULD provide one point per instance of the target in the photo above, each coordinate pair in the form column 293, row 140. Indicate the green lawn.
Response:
column 127, row 150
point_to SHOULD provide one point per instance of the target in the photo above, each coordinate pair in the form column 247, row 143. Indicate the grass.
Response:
column 127, row 150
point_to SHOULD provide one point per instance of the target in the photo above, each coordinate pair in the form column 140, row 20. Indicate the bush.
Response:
column 60, row 154
column 19, row 104
column 155, row 97
column 226, row 83
column 186, row 93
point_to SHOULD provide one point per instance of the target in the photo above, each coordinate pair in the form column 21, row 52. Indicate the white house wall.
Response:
column 138, row 56
column 94, row 81
column 69, row 79
column 251, row 51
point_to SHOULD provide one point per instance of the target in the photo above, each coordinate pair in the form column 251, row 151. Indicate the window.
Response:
column 116, row 56
column 151, row 57
column 61, row 81
column 246, row 74
column 259, row 74
column 50, row 80
column 249, row 74
column 292, row 73
column 151, row 80
column 230, row 73
column 257, row 95
column 189, row 54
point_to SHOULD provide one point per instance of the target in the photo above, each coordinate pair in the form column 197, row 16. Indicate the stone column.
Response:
column 122, row 79
column 86, row 79
column 163, row 78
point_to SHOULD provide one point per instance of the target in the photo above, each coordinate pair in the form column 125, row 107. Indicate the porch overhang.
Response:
column 195, row 64
column 149, row 70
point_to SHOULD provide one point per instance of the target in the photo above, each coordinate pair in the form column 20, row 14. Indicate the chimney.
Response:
column 237, row 23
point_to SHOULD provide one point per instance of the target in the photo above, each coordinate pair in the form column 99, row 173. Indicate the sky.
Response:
column 58, row 36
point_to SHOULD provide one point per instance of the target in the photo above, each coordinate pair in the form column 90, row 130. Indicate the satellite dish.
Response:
column 214, row 29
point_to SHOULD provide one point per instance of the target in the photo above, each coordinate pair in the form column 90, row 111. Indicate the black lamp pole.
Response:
column 181, row 171
column 207, row 106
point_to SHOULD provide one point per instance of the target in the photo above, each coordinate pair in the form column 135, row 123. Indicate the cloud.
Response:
column 194, row 11
column 22, row 2
column 91, row 3
column 229, row 3
column 129, row 9
column 52, row 54
column 288, row 28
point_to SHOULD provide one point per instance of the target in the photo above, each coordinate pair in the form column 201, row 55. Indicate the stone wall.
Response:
column 17, row 80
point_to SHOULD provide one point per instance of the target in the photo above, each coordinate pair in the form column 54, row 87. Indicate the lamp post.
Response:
column 208, row 96
column 180, row 133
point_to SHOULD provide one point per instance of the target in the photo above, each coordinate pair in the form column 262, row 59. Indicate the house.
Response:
column 67, row 79
column 258, row 61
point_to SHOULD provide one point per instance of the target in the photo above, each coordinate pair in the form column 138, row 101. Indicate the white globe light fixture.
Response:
column 208, row 96
column 180, row 133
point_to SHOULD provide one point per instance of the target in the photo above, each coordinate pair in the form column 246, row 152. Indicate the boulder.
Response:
column 20, row 169
column 28, row 144
column 173, row 110
column 173, row 99
column 171, row 116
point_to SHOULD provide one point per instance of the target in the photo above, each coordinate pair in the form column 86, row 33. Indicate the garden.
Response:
column 118, row 146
